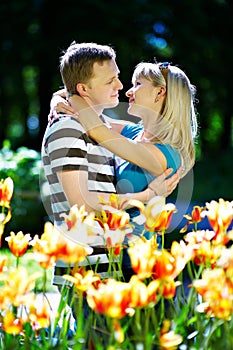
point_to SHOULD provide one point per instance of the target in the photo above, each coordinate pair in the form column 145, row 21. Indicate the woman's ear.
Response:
column 81, row 89
column 162, row 91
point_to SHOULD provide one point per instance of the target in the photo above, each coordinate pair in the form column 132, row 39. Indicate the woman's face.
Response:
column 142, row 96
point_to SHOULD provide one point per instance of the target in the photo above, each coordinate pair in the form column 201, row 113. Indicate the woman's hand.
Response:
column 59, row 104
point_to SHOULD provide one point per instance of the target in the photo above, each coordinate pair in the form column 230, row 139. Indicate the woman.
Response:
column 163, row 97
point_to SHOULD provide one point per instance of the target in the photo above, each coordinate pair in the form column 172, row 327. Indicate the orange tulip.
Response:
column 163, row 220
column 153, row 290
column 114, row 241
column 6, row 192
column 139, row 294
column 81, row 227
column 113, row 216
column 52, row 246
column 142, row 256
column 194, row 218
column 207, row 254
column 196, row 237
column 4, row 301
column 114, row 219
column 75, row 214
column 182, row 254
column 168, row 287
column 114, row 202
column 206, row 246
column 111, row 299
column 226, row 262
column 17, row 286
column 167, row 267
column 83, row 280
column 219, row 214
column 40, row 316
column 12, row 324
column 156, row 215
column 164, row 265
column 217, row 290
column 70, row 252
column 18, row 243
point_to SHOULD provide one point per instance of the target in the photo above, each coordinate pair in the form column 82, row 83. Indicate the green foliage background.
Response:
column 194, row 34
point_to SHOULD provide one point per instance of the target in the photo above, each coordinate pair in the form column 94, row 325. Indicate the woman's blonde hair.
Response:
column 177, row 122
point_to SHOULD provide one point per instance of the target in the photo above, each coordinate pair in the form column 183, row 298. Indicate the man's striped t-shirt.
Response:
column 66, row 146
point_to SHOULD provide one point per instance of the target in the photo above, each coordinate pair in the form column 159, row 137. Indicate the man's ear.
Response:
column 81, row 89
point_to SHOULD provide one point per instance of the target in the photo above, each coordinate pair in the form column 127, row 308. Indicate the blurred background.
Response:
column 196, row 35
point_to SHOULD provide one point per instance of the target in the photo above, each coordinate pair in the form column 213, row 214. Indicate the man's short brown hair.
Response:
column 76, row 63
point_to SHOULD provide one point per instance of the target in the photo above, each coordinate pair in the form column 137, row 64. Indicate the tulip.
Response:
column 12, row 324
column 6, row 192
column 18, row 243
column 40, row 317
column 219, row 214
column 111, row 298
column 194, row 218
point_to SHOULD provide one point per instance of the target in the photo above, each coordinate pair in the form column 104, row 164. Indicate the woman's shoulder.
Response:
column 168, row 150
column 172, row 155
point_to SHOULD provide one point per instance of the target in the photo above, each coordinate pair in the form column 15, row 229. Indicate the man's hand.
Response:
column 162, row 186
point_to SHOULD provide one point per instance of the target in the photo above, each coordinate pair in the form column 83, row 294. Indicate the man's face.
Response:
column 103, row 88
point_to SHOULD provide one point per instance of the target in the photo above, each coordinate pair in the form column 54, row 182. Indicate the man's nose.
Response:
column 119, row 84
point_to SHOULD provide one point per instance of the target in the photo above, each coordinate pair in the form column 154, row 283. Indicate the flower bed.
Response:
column 178, row 298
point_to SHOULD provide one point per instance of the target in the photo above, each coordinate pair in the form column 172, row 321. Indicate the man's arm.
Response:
column 75, row 186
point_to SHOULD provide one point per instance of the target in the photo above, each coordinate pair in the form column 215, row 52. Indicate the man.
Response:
column 77, row 168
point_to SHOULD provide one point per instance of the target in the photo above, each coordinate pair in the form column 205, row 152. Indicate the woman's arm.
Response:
column 59, row 104
column 143, row 154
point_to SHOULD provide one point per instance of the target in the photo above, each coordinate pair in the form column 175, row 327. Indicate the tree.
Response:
column 194, row 34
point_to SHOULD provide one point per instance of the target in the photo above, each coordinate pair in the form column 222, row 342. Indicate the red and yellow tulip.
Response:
column 6, row 192
column 219, row 214
column 194, row 218
column 18, row 243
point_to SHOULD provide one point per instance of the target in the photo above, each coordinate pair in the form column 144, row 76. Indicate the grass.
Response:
column 32, row 266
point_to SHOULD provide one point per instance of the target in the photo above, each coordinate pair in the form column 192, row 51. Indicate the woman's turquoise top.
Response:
column 130, row 177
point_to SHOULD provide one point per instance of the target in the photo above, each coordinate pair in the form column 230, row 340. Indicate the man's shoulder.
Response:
column 66, row 120
column 65, row 123
column 64, row 130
